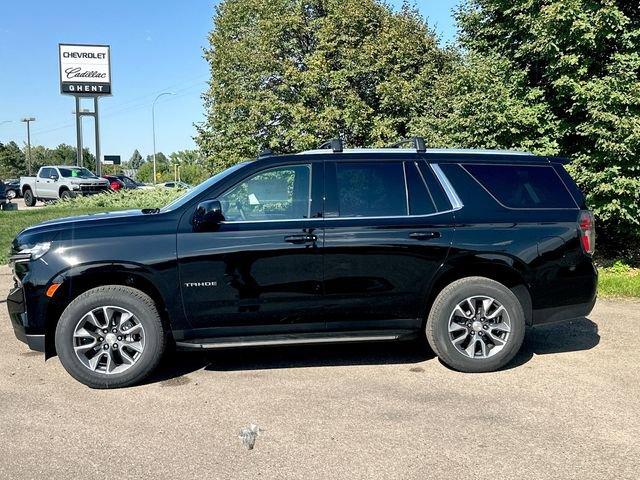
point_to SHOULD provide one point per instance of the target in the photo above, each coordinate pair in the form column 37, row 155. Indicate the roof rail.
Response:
column 417, row 142
column 334, row 144
column 265, row 152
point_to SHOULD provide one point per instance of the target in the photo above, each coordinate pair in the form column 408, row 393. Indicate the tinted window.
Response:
column 523, row 186
column 420, row 199
column 281, row 193
column 127, row 181
column 439, row 197
column 371, row 189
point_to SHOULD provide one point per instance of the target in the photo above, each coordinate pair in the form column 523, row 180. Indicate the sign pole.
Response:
column 97, row 129
column 78, row 133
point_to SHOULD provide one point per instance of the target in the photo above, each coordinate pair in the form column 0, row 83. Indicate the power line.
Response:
column 195, row 82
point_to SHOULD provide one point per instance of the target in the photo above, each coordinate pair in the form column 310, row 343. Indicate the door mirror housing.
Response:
column 54, row 177
column 208, row 215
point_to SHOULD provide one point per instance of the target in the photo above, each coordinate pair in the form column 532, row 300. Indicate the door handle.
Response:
column 304, row 238
column 424, row 235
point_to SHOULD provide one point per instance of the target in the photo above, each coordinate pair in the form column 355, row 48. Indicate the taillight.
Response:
column 115, row 185
column 587, row 227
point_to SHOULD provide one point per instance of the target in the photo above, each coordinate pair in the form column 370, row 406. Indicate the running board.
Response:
column 296, row 339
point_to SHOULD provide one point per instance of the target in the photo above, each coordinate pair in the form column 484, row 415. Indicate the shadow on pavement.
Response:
column 580, row 334
column 571, row 336
column 177, row 364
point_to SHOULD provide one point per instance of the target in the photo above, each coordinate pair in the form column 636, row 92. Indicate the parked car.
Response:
column 60, row 182
column 176, row 184
column 12, row 187
column 115, row 183
column 129, row 182
column 464, row 248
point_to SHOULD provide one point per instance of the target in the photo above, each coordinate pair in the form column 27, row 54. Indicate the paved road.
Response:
column 22, row 206
column 566, row 408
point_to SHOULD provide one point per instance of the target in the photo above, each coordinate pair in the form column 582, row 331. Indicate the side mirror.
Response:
column 54, row 177
column 208, row 214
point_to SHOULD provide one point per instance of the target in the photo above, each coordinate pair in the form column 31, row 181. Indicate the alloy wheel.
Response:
column 479, row 327
column 108, row 339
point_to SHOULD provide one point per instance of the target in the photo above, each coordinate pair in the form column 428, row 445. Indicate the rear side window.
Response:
column 523, row 186
column 371, row 189
column 420, row 198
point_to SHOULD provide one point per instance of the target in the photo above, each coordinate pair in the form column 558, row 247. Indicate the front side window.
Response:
column 281, row 193
column 375, row 189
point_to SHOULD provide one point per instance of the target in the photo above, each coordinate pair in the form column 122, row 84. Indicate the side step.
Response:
column 296, row 339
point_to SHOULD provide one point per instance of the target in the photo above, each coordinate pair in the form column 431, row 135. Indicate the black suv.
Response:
column 461, row 247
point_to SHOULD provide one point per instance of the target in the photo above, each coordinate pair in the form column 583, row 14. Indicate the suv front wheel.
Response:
column 475, row 325
column 110, row 336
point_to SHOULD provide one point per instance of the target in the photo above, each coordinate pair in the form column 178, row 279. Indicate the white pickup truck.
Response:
column 54, row 182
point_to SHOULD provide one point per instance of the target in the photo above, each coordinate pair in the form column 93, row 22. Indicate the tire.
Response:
column 66, row 195
column 74, row 330
column 477, row 338
column 29, row 199
column 11, row 194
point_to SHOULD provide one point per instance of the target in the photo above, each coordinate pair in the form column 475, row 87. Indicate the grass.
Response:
column 615, row 280
column 619, row 280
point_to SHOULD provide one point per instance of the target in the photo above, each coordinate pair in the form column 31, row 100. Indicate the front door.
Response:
column 260, row 271
column 386, row 234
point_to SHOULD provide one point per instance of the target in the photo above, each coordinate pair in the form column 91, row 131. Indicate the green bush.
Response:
column 108, row 201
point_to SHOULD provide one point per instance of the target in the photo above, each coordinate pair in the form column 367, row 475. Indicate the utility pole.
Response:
column 153, row 128
column 28, row 121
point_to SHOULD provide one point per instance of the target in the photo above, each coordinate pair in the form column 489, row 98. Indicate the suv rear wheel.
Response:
column 110, row 336
column 476, row 325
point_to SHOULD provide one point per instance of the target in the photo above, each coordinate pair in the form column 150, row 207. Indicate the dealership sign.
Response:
column 85, row 69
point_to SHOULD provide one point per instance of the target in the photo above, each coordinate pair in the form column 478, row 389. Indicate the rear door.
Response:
column 388, row 228
column 45, row 185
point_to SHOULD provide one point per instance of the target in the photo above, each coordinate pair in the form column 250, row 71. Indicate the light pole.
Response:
column 153, row 127
column 28, row 121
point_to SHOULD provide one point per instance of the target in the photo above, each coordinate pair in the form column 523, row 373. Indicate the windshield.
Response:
column 76, row 172
column 195, row 191
column 127, row 181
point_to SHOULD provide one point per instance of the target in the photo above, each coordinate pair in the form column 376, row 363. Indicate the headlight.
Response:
column 38, row 250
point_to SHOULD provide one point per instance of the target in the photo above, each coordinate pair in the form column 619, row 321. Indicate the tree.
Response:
column 484, row 103
column 12, row 160
column 136, row 160
column 160, row 159
column 582, row 57
column 289, row 74
column 187, row 157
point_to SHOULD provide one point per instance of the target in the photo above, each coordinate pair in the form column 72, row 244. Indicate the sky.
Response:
column 156, row 46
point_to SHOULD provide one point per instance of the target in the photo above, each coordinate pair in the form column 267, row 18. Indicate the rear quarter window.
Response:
column 523, row 186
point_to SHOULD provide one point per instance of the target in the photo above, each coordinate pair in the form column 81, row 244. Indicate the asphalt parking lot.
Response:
column 567, row 407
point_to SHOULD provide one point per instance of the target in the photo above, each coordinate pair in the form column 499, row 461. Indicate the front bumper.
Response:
column 18, row 314
column 86, row 190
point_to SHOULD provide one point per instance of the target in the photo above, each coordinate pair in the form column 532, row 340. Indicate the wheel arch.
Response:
column 499, row 268
column 77, row 281
column 25, row 187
